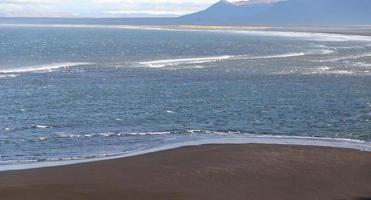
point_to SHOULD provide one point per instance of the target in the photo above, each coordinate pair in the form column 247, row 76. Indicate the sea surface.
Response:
column 74, row 93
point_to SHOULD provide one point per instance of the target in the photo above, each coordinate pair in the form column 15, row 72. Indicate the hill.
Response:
column 291, row 12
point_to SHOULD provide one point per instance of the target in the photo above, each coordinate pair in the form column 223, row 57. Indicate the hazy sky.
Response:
column 100, row 8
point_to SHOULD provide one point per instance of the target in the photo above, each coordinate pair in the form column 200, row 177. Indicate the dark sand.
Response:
column 248, row 172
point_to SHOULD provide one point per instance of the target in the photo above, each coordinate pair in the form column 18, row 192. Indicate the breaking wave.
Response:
column 172, row 62
column 42, row 68
column 329, row 37
column 227, row 138
column 349, row 57
column 110, row 134
column 8, row 75
column 201, row 60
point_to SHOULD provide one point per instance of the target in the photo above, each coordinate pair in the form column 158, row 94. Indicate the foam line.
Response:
column 247, row 139
column 199, row 60
column 171, row 62
column 41, row 68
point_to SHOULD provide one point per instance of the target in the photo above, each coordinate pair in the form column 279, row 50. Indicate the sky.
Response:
column 100, row 8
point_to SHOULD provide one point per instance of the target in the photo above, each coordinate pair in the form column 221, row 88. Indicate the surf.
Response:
column 202, row 60
column 172, row 62
column 42, row 68
column 12, row 165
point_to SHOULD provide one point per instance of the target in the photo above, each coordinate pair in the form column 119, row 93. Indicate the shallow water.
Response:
column 76, row 93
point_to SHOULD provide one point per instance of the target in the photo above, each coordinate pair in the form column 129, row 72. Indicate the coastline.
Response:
column 224, row 171
column 336, row 143
column 235, row 140
column 243, row 166
column 361, row 30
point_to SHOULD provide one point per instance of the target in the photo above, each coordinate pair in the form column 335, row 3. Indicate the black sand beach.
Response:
column 204, row 172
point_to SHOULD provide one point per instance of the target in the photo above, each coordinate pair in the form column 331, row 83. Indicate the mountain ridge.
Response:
column 284, row 12
column 244, row 13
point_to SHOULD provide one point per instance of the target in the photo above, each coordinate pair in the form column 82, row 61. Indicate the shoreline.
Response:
column 359, row 30
column 240, row 140
column 224, row 171
column 335, row 143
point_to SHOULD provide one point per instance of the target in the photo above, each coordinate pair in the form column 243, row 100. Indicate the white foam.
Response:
column 198, row 67
column 110, row 134
column 147, row 133
column 305, row 35
column 9, row 162
column 297, row 54
column 278, row 56
column 200, row 60
column 325, row 51
column 361, row 64
column 196, row 60
column 41, row 126
column 341, row 72
column 350, row 47
column 332, row 71
column 42, row 68
column 43, row 138
column 350, row 57
column 324, row 68
column 8, row 75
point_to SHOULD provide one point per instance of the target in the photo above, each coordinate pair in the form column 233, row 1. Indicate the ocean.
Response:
column 71, row 93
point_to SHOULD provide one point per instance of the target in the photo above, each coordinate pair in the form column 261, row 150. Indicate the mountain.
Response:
column 224, row 12
column 290, row 12
column 247, row 12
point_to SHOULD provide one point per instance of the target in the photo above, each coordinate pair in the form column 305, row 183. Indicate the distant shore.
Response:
column 364, row 30
column 250, row 171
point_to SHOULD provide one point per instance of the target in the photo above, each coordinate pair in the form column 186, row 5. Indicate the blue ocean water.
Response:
column 70, row 93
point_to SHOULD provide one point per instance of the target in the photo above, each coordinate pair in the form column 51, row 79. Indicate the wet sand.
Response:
column 251, row 171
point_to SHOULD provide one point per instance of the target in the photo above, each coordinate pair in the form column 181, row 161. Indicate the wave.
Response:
column 123, row 134
column 334, row 72
column 350, row 57
column 40, row 127
column 323, row 52
column 351, row 47
column 10, row 162
column 225, row 138
column 358, row 69
column 8, row 75
column 43, row 68
column 326, row 37
column 201, row 60
column 287, row 55
column 197, row 60
column 361, row 64
column 278, row 56
column 111, row 134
